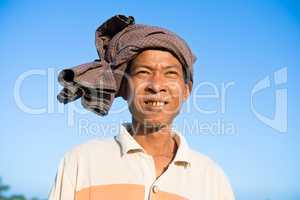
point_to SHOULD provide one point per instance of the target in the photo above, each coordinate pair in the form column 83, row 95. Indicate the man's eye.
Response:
column 142, row 72
column 172, row 73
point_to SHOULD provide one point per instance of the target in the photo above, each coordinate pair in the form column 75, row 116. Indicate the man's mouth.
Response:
column 155, row 103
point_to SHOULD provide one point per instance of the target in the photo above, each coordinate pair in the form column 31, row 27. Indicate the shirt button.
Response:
column 155, row 188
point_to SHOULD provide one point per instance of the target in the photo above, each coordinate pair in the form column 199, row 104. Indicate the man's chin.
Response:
column 154, row 125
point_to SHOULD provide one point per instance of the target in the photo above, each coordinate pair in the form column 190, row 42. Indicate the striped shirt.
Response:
column 119, row 169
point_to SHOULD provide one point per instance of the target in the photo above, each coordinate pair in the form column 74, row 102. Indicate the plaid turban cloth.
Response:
column 118, row 41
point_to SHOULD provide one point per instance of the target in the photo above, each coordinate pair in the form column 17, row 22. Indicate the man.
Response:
column 147, row 159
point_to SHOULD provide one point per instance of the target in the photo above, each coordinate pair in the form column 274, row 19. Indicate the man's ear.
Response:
column 125, row 85
column 187, row 90
column 123, row 90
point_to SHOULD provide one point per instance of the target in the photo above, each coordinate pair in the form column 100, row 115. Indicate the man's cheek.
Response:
column 172, row 108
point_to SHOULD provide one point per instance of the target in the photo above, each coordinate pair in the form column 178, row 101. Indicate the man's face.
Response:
column 157, row 88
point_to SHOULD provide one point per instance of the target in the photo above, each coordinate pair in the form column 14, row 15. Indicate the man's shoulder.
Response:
column 198, row 158
column 206, row 165
column 93, row 147
column 204, row 162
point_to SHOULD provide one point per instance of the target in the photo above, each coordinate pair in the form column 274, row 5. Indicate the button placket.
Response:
column 150, row 176
column 155, row 188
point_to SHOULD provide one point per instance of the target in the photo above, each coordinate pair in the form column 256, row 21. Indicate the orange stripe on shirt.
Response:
column 166, row 196
column 112, row 192
column 121, row 191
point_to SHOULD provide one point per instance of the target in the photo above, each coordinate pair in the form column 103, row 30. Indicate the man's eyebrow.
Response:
column 151, row 68
column 141, row 66
column 171, row 67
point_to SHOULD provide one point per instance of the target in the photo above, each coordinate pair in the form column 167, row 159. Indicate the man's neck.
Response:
column 156, row 140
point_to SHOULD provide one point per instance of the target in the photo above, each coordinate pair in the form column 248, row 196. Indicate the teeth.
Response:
column 156, row 103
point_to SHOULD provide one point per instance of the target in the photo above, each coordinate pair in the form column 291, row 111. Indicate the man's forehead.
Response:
column 156, row 58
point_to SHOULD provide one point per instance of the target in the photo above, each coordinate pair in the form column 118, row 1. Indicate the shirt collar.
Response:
column 127, row 142
column 130, row 145
column 182, row 154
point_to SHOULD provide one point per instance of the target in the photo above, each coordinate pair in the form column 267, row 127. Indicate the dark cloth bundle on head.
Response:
column 118, row 41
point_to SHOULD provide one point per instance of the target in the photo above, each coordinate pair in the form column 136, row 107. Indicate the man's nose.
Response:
column 156, row 84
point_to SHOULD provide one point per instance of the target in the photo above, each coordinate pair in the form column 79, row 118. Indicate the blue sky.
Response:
column 237, row 43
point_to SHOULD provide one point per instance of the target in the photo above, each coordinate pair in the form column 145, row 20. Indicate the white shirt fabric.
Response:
column 119, row 169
